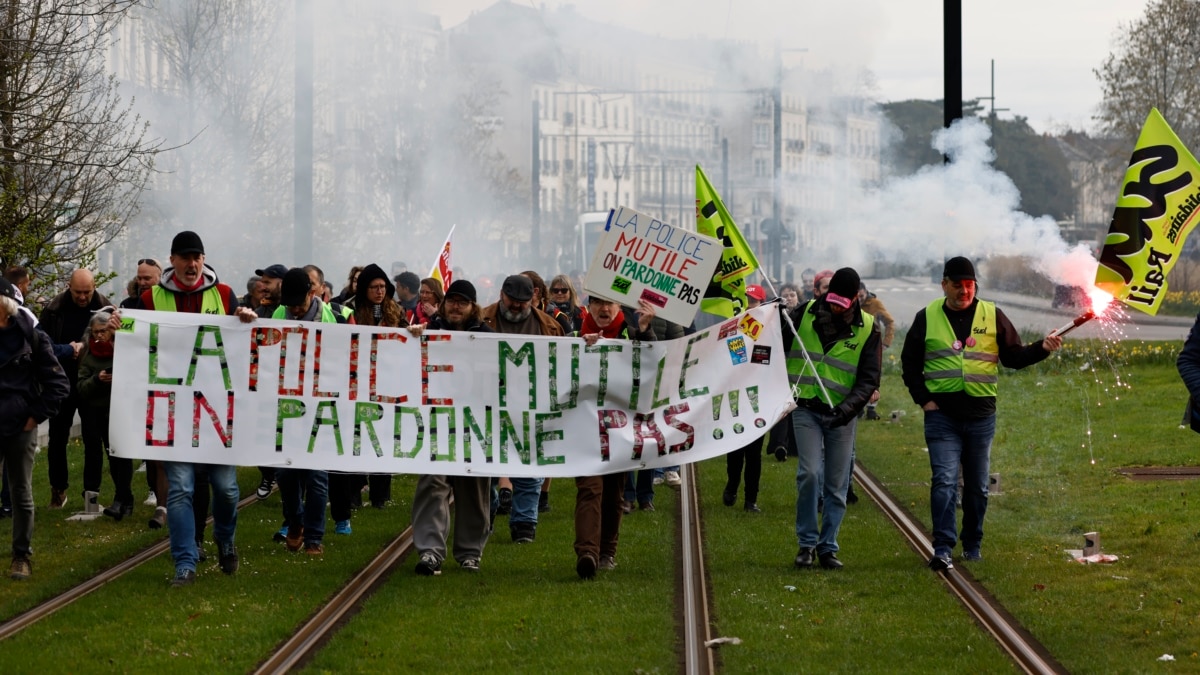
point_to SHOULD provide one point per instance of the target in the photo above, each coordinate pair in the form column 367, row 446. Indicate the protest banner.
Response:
column 202, row 388
column 1155, row 212
column 725, row 294
column 640, row 257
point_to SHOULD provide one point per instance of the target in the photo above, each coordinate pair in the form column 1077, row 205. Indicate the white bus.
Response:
column 591, row 228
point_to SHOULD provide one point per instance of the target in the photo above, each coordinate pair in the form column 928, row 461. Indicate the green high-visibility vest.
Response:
column 837, row 368
column 326, row 313
column 951, row 365
column 210, row 302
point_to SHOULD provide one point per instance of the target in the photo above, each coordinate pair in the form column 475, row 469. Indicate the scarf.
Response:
column 612, row 332
column 188, row 289
column 100, row 348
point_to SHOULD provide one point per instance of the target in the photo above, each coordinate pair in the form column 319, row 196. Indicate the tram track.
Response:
column 1024, row 649
column 47, row 608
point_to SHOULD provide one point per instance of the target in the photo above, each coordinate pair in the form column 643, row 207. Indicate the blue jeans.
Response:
column 525, row 500
column 817, row 445
column 181, row 483
column 951, row 442
column 313, row 487
column 639, row 488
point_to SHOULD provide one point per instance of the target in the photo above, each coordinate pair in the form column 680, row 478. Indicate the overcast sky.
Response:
column 1045, row 50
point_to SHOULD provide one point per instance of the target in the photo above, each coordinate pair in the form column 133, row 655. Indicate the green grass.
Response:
column 526, row 610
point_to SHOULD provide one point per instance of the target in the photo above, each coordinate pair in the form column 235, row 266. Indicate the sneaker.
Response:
column 151, row 500
column 117, row 511
column 429, row 565
column 184, row 578
column 585, row 567
column 523, row 533
column 645, row 506
column 228, row 558
column 626, row 506
column 295, row 539
column 314, row 548
column 280, row 536
column 20, row 570
column 659, row 480
column 58, row 498
column 940, row 563
column 159, row 520
column 470, row 564
column 6, row 512
column 672, row 478
column 972, row 556
column 505, row 502
column 607, row 562
column 781, row 454
column 342, row 527
column 264, row 489
column 543, row 502
column 751, row 507
column 728, row 498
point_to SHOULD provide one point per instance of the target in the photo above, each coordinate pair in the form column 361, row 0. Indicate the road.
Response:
column 904, row 296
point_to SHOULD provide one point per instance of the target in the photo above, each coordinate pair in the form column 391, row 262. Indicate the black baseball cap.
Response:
column 275, row 271
column 959, row 268
column 187, row 242
column 8, row 290
column 295, row 287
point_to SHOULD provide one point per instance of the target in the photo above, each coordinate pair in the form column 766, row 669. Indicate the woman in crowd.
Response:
column 564, row 299
column 95, row 393
column 429, row 299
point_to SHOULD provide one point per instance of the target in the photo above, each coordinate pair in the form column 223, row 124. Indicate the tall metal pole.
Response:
column 535, row 183
column 303, row 160
column 952, row 60
column 777, row 185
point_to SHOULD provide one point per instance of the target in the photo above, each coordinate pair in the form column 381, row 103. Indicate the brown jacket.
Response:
column 874, row 306
column 550, row 327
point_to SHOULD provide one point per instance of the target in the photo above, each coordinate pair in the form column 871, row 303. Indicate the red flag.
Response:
column 441, row 269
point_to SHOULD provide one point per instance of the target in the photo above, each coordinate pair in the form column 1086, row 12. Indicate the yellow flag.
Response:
column 726, row 293
column 1156, row 210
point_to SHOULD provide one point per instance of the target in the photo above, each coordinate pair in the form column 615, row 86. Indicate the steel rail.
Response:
column 696, row 625
column 1025, row 650
column 312, row 635
column 33, row 615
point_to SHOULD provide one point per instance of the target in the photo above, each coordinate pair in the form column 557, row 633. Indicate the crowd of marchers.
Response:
column 59, row 365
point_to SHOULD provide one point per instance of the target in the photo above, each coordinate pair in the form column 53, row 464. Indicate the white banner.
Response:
column 198, row 388
column 640, row 257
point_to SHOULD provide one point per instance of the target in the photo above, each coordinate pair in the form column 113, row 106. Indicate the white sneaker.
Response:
column 151, row 500
column 658, row 480
column 671, row 478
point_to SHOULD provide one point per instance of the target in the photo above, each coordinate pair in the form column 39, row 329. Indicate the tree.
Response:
column 73, row 157
column 1156, row 63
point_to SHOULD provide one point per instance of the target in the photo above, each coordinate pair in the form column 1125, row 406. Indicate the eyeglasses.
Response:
column 149, row 261
column 559, row 290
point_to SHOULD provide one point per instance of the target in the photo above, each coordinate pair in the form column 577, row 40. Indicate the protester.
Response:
column 95, row 394
column 790, row 295
column 564, row 299
column 542, row 301
column 458, row 311
column 515, row 314
column 821, row 282
column 192, row 286
column 408, row 288
column 374, row 307
column 748, row 456
column 429, row 297
column 950, row 363
column 871, row 304
column 350, row 291
column 64, row 320
column 807, row 284
column 271, row 278
column 149, row 271
column 305, row 522
column 844, row 345
column 598, row 499
column 32, row 386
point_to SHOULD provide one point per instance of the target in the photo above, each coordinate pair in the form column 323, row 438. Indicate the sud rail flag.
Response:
column 726, row 293
column 210, row 389
column 441, row 268
column 1155, row 212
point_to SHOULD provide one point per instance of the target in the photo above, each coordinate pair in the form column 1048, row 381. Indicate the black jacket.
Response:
column 32, row 382
column 64, row 322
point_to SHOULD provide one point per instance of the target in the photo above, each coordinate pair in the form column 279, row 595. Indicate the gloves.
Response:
column 841, row 416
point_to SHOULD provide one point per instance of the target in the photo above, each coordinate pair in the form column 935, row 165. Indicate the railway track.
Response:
column 1029, row 654
column 31, row 616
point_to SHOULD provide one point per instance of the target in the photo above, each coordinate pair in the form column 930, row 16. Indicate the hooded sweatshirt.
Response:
column 191, row 300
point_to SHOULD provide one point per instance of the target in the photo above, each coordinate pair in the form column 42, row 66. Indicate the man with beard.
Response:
column 272, row 279
column 515, row 314
column 458, row 311
column 599, row 499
